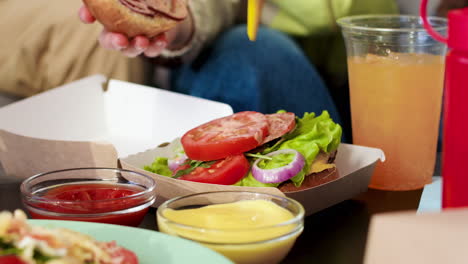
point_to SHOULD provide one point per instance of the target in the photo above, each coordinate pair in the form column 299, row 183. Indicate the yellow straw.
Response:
column 254, row 9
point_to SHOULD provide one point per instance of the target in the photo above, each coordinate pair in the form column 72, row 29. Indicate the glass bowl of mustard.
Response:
column 246, row 227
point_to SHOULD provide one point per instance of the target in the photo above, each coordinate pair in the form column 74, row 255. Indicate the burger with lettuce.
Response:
column 259, row 150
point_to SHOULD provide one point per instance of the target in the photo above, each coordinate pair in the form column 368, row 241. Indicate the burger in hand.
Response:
column 138, row 17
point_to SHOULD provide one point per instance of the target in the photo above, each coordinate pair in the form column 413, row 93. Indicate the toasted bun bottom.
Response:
column 118, row 18
column 311, row 181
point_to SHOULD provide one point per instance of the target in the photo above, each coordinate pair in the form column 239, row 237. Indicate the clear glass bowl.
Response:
column 242, row 244
column 104, row 195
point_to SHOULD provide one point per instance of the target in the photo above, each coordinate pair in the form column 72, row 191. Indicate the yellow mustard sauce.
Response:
column 249, row 231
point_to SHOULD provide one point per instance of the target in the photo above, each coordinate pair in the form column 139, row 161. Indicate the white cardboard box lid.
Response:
column 128, row 116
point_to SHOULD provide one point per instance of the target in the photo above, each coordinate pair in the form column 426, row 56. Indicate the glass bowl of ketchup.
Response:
column 103, row 195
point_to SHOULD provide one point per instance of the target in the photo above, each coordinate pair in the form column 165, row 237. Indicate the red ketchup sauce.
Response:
column 92, row 198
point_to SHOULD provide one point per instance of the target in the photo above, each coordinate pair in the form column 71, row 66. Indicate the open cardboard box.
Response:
column 81, row 125
column 92, row 122
column 354, row 163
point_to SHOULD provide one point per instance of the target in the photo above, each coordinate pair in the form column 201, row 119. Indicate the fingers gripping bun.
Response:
column 138, row 17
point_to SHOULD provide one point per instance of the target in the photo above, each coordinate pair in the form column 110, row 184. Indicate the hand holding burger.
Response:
column 137, row 27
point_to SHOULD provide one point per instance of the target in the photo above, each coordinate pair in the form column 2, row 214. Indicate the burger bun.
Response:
column 116, row 17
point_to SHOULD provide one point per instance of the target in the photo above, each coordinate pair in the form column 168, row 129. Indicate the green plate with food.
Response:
column 43, row 241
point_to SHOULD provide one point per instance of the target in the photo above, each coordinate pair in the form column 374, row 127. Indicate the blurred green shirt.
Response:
column 313, row 24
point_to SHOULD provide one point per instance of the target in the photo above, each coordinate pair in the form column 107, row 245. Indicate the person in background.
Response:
column 264, row 77
column 216, row 61
column 47, row 46
column 44, row 46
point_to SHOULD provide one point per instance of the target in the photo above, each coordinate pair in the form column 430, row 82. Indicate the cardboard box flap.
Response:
column 71, row 112
column 351, row 158
column 132, row 117
column 81, row 124
column 426, row 238
column 22, row 157
column 146, row 117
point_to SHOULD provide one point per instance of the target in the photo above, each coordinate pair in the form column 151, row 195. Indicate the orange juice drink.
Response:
column 396, row 76
column 395, row 105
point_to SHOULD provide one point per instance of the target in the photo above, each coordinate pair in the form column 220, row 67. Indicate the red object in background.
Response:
column 80, row 199
column 11, row 260
column 455, row 147
column 455, row 134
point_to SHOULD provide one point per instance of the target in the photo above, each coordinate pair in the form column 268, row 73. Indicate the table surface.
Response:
column 335, row 235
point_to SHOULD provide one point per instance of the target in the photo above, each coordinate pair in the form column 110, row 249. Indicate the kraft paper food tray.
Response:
column 355, row 165
column 81, row 124
column 418, row 238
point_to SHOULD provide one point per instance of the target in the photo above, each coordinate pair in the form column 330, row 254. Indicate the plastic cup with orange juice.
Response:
column 396, row 76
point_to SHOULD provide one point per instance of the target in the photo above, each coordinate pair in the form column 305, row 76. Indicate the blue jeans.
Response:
column 266, row 76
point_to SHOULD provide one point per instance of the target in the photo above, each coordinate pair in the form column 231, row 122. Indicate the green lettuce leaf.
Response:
column 311, row 135
column 41, row 258
column 7, row 248
column 159, row 166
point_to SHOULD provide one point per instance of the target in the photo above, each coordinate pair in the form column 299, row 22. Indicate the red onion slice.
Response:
column 175, row 162
column 280, row 174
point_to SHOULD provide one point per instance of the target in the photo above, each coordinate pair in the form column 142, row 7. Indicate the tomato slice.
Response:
column 11, row 259
column 120, row 254
column 226, row 172
column 279, row 124
column 226, row 136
